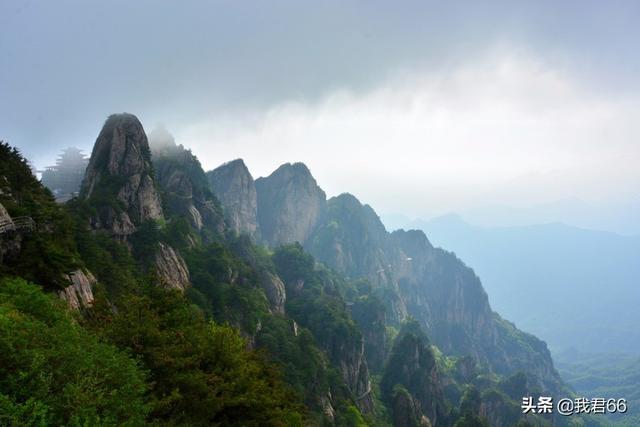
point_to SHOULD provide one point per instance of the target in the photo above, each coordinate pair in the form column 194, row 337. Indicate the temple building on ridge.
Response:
column 65, row 177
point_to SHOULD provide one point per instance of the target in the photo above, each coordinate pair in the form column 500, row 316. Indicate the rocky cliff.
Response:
column 411, row 277
column 119, row 178
column 432, row 286
column 120, row 191
column 314, row 302
column 183, row 184
column 80, row 293
column 411, row 380
column 9, row 241
column 171, row 268
column 290, row 204
column 233, row 185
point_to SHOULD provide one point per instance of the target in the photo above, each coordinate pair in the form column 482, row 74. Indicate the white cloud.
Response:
column 508, row 129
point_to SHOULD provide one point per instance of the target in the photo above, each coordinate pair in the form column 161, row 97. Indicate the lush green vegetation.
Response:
column 219, row 354
column 54, row 372
column 611, row 376
column 200, row 371
column 22, row 195
column 141, row 354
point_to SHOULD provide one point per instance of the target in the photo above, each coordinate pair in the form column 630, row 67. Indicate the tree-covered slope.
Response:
column 213, row 328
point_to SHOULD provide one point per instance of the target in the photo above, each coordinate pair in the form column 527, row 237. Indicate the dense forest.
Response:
column 144, row 301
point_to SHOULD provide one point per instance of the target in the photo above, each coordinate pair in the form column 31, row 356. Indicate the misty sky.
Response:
column 419, row 108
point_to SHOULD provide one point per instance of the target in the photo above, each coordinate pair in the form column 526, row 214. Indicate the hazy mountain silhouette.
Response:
column 573, row 287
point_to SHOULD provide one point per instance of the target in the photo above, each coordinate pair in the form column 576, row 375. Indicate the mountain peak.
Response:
column 290, row 203
column 236, row 164
column 298, row 169
column 119, row 178
column 234, row 186
column 160, row 138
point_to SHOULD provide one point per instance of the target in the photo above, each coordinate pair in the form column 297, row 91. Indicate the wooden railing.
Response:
column 18, row 223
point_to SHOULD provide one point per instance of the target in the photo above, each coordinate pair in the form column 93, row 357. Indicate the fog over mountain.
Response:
column 507, row 104
column 575, row 288
column 190, row 196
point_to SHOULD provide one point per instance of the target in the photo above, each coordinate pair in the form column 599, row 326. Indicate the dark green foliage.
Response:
column 405, row 413
column 370, row 315
column 470, row 401
column 183, row 185
column 48, row 252
column 109, row 260
column 314, row 301
column 144, row 243
column 303, row 365
column 294, row 265
column 143, row 354
column 105, row 195
column 201, row 372
column 605, row 375
column 350, row 416
column 412, row 365
column 179, row 234
column 228, row 285
column 53, row 372
column 471, row 420
column 515, row 386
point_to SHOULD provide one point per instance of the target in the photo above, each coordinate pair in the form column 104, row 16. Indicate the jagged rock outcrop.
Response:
column 327, row 408
column 275, row 291
column 405, row 410
column 119, row 178
column 9, row 241
column 411, row 276
column 80, row 293
column 352, row 240
column 411, row 379
column 120, row 187
column 171, row 268
column 234, row 186
column 183, row 184
column 370, row 315
column 290, row 203
column 429, row 284
column 4, row 215
column 356, row 374
column 444, row 295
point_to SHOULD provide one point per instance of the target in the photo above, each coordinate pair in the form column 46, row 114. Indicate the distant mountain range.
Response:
column 233, row 301
column 574, row 288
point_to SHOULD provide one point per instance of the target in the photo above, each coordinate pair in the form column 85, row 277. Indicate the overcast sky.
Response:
column 418, row 108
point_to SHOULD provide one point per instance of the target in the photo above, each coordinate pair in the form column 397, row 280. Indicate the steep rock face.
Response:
column 234, row 186
column 410, row 276
column 9, row 242
column 275, row 291
column 183, row 183
column 444, row 295
column 352, row 240
column 314, row 302
column 118, row 180
column 80, row 293
column 120, row 187
column 429, row 284
column 290, row 203
column 4, row 215
column 370, row 315
column 405, row 411
column 356, row 374
column 171, row 268
column 412, row 366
